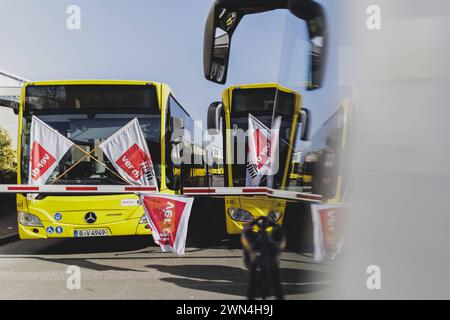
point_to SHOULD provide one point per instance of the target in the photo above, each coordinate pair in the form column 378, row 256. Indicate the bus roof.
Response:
column 159, row 85
column 263, row 85
column 92, row 81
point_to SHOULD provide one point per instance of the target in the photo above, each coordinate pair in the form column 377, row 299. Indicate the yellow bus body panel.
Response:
column 114, row 213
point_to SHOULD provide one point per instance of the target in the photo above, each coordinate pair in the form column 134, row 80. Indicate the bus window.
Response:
column 179, row 147
column 88, row 134
column 266, row 104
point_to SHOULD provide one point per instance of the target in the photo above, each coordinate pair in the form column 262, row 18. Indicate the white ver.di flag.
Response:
column 48, row 146
column 128, row 152
column 259, row 155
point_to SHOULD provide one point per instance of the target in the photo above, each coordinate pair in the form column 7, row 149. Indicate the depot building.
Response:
column 9, row 89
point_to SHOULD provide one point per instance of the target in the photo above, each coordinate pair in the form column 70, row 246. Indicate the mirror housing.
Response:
column 225, row 15
column 221, row 22
column 9, row 103
column 214, row 114
column 314, row 15
column 305, row 118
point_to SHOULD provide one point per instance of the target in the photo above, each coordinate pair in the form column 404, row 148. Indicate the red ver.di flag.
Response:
column 168, row 218
column 128, row 152
column 48, row 146
column 328, row 230
column 258, row 155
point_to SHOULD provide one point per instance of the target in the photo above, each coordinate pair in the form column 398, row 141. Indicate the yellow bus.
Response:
column 87, row 112
column 229, row 118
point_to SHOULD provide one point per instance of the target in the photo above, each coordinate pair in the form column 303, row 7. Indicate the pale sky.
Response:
column 163, row 41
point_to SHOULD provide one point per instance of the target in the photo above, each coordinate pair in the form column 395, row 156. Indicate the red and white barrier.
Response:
column 22, row 188
column 187, row 191
column 252, row 191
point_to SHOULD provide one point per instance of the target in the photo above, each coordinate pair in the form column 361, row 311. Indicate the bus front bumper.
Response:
column 52, row 230
column 256, row 206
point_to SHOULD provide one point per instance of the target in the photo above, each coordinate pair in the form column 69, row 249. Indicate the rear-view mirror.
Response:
column 214, row 115
column 305, row 118
column 225, row 15
column 220, row 25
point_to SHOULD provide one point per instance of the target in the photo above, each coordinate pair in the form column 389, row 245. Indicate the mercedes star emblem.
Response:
column 90, row 217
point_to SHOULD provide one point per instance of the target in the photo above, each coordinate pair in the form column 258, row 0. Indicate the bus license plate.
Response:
column 91, row 233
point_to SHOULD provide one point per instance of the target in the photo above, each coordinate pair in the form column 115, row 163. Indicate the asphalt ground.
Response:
column 135, row 268
column 8, row 225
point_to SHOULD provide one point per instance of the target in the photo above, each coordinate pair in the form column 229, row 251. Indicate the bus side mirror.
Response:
column 219, row 28
column 14, row 105
column 225, row 15
column 314, row 16
column 305, row 118
column 214, row 114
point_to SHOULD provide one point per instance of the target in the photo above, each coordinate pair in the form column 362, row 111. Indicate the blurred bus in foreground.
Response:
column 324, row 166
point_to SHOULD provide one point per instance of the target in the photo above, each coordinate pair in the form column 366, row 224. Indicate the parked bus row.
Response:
column 87, row 112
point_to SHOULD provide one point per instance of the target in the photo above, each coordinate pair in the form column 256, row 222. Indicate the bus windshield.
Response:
column 90, row 98
column 260, row 103
column 87, row 124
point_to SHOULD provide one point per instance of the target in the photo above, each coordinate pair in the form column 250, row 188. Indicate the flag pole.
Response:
column 87, row 154
column 71, row 167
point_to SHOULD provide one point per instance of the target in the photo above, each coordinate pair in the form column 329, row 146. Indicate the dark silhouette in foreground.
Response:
column 262, row 250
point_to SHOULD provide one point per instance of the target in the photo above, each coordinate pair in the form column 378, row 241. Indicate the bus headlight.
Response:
column 274, row 215
column 240, row 214
column 143, row 220
column 29, row 220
